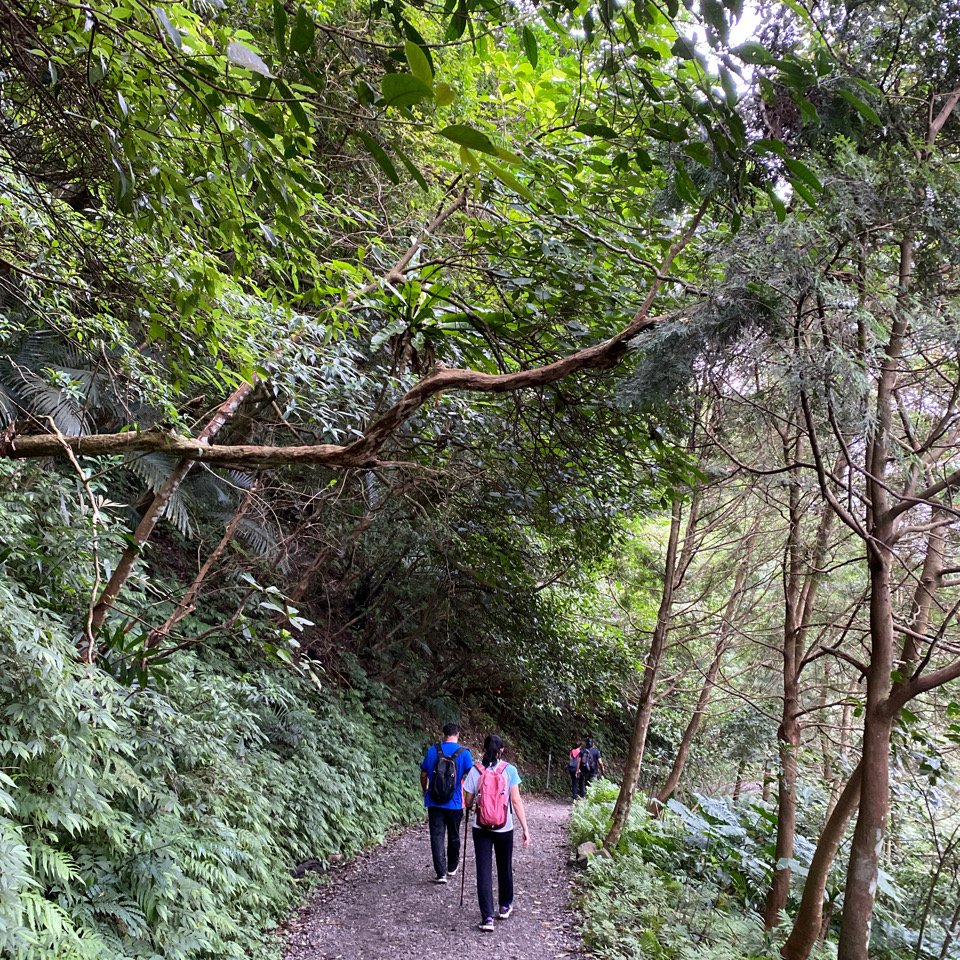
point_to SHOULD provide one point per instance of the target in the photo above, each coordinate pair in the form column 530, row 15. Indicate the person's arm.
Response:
column 424, row 774
column 600, row 764
column 520, row 813
column 468, row 800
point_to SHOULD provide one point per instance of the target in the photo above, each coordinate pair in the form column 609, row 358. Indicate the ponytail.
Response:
column 492, row 748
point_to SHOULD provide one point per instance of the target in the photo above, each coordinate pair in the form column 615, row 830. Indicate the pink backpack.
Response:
column 493, row 796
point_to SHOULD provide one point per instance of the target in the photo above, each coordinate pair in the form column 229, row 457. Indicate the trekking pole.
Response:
column 549, row 764
column 463, row 859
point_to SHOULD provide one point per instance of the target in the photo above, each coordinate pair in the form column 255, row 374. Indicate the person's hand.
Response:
column 526, row 838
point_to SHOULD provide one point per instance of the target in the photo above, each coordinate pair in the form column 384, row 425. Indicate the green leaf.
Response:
column 380, row 156
column 412, row 168
column 403, row 90
column 301, row 39
column 779, row 207
column 714, row 15
column 469, row 137
column 510, row 180
column 700, row 152
column 295, row 106
column 770, row 146
column 862, row 107
column 280, row 26
column 683, row 49
column 418, row 63
column 801, row 170
column 729, row 87
column 168, row 28
column 804, row 191
column 444, row 94
column 260, row 125
column 530, row 46
column 597, row 130
column 753, row 52
column 469, row 160
column 458, row 22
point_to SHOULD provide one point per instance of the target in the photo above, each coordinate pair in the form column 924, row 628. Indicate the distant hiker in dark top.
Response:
column 441, row 778
column 591, row 764
column 573, row 768
column 495, row 785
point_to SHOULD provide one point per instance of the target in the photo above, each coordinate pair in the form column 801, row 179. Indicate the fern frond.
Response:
column 153, row 469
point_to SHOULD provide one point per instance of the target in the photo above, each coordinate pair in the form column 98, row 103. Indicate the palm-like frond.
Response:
column 153, row 469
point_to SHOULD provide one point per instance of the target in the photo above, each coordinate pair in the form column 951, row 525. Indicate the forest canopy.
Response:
column 362, row 352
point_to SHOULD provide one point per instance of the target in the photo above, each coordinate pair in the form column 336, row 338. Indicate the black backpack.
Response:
column 443, row 780
column 588, row 760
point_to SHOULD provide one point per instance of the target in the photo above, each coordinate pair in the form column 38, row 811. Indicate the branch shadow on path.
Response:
column 385, row 905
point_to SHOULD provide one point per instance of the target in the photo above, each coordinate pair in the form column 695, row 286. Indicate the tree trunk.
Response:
column 864, row 864
column 641, row 725
column 188, row 601
column 693, row 727
column 158, row 506
column 738, row 783
column 809, row 922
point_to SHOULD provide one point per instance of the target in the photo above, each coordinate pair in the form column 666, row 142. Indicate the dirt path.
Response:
column 384, row 906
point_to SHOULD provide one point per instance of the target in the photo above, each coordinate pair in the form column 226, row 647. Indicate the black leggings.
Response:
column 486, row 843
column 576, row 785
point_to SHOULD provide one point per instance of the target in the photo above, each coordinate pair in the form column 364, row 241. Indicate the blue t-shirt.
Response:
column 464, row 764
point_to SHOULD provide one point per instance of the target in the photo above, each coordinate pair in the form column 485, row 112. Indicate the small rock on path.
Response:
column 385, row 905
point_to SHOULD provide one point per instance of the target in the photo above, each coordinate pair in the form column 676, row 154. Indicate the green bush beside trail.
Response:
column 163, row 823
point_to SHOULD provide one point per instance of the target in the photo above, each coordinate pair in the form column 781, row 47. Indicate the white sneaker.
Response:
column 439, row 879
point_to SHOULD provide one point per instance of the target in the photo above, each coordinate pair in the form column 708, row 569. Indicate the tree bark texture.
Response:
column 808, row 923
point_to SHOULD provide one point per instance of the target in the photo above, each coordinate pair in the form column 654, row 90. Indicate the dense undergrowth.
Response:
column 691, row 884
column 164, row 822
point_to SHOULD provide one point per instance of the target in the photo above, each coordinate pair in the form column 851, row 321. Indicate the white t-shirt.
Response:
column 512, row 777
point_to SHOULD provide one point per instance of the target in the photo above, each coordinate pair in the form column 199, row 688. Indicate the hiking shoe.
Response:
column 486, row 925
column 454, row 871
column 439, row 879
column 505, row 912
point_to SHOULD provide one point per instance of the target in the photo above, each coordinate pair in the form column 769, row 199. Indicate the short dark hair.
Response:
column 451, row 729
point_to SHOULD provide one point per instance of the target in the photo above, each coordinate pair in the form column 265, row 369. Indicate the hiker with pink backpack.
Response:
column 495, row 786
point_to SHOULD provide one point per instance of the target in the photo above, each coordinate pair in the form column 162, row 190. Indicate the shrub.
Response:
column 164, row 822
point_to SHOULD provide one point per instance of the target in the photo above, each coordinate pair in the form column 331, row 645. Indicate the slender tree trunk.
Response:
column 641, row 725
column 809, row 922
column 188, row 601
column 788, row 733
column 951, row 932
column 158, row 506
column 693, row 727
column 767, row 780
column 738, row 783
column 801, row 584
column 864, row 864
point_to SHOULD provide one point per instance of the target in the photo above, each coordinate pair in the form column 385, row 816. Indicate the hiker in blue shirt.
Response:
column 441, row 778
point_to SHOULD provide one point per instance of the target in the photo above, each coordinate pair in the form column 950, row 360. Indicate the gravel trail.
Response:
column 384, row 905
